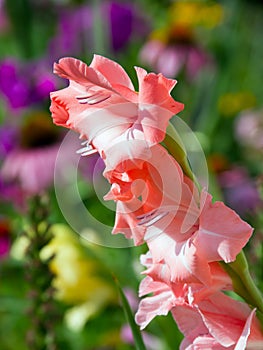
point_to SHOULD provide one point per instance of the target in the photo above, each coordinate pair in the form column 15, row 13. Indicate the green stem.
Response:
column 240, row 267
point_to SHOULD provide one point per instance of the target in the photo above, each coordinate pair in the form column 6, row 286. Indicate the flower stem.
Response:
column 240, row 266
column 244, row 285
column 42, row 311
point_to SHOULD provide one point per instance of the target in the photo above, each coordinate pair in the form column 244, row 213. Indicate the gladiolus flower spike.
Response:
column 158, row 202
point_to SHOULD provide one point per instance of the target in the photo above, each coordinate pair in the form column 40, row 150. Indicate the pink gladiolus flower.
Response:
column 218, row 322
column 205, row 315
column 144, row 190
column 101, row 104
column 168, row 294
column 186, row 233
column 156, row 203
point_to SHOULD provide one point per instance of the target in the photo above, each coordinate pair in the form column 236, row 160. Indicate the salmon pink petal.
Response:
column 189, row 322
column 156, row 106
column 126, row 223
column 59, row 110
column 155, row 89
column 149, row 307
column 224, row 317
column 148, row 285
column 203, row 342
column 77, row 71
column 112, row 71
column 222, row 234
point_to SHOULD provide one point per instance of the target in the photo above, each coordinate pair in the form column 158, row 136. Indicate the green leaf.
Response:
column 138, row 341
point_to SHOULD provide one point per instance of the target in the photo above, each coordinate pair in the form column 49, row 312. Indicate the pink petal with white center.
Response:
column 183, row 260
column 222, row 234
column 100, row 103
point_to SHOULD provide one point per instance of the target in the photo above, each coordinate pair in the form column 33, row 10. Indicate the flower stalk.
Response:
column 243, row 282
column 42, row 310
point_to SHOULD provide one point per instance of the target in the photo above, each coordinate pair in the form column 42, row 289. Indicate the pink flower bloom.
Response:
column 167, row 294
column 101, row 104
column 218, row 322
column 31, row 163
column 205, row 315
column 171, row 58
column 156, row 203
column 144, row 188
column 33, row 169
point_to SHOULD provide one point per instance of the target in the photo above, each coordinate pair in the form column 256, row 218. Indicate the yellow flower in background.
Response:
column 173, row 34
column 184, row 16
column 80, row 279
column 232, row 103
column 196, row 13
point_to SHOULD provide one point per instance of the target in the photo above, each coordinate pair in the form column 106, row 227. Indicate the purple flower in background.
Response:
column 75, row 33
column 14, row 87
column 240, row 191
column 124, row 21
column 7, row 140
column 25, row 84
